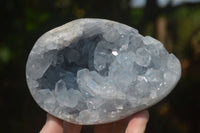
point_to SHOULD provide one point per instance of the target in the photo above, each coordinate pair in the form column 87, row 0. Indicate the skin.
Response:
column 133, row 124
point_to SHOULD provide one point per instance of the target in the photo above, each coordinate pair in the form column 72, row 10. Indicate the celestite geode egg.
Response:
column 92, row 71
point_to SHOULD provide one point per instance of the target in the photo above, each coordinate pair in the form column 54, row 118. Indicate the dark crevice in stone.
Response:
column 76, row 56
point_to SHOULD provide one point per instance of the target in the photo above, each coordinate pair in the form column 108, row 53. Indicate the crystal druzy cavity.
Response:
column 92, row 71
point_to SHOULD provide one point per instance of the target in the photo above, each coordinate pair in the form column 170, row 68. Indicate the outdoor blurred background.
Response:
column 176, row 23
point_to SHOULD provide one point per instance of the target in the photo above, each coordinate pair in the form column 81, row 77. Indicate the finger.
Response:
column 52, row 125
column 115, row 127
column 138, row 122
column 71, row 128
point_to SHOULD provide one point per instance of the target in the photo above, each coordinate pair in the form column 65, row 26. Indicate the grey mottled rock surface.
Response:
column 92, row 71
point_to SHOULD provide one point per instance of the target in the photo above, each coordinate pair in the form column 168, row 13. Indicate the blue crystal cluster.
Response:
column 93, row 71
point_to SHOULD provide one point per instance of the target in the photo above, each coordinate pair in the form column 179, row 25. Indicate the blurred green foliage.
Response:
column 23, row 21
column 187, row 22
column 5, row 55
column 34, row 19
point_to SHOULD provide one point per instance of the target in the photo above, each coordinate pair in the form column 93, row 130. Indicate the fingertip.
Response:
column 143, row 114
column 52, row 125
column 51, row 118
column 138, row 122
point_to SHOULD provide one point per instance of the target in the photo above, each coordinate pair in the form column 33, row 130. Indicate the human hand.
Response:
column 133, row 124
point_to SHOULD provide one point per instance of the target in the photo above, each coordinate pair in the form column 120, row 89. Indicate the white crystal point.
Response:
column 94, row 71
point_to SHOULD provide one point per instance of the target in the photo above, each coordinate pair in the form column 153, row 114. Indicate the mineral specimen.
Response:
column 92, row 71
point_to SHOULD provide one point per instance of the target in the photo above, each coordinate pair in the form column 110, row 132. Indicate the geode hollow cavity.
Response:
column 92, row 71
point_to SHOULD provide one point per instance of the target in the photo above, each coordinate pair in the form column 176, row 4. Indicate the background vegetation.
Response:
column 23, row 21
